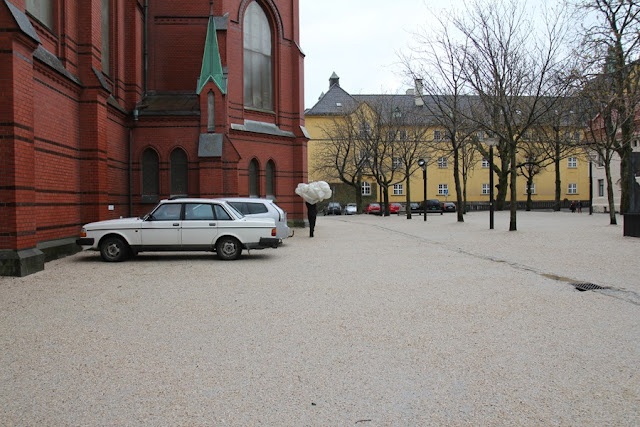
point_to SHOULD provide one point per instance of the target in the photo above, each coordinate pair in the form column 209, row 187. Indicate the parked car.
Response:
column 262, row 208
column 395, row 207
column 373, row 208
column 415, row 207
column 433, row 206
column 181, row 225
column 351, row 209
column 333, row 208
column 448, row 206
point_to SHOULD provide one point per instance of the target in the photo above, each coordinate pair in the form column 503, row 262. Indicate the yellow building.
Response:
column 337, row 105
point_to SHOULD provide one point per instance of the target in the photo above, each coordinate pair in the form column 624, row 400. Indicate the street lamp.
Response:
column 491, row 142
column 423, row 164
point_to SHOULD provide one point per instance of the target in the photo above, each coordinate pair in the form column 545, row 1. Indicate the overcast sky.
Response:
column 359, row 40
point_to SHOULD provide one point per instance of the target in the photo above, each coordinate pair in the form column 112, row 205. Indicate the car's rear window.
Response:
column 248, row 208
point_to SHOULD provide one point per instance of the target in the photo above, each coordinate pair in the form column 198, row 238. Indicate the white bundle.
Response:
column 314, row 192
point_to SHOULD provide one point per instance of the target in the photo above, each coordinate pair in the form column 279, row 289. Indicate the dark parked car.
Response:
column 433, row 206
column 448, row 206
column 333, row 208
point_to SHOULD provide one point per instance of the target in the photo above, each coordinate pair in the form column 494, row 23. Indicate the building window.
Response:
column 396, row 163
column 572, row 162
column 601, row 188
column 442, row 162
column 403, row 135
column 106, row 38
column 443, row 189
column 576, row 136
column 573, row 189
column 398, row 189
column 258, row 68
column 270, row 172
column 531, row 188
column 365, row 130
column 42, row 10
column 485, row 188
column 179, row 173
column 480, row 135
column 253, row 178
column 150, row 181
column 600, row 160
column 437, row 136
column 391, row 135
column 366, row 189
column 485, row 164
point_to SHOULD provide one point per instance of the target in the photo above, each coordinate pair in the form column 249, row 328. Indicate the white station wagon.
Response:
column 181, row 225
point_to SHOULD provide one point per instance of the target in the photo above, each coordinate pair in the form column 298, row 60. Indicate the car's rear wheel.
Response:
column 114, row 249
column 228, row 248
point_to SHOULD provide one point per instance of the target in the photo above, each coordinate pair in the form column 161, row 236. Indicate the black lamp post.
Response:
column 423, row 164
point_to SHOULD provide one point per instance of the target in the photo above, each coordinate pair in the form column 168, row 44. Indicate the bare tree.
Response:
column 437, row 68
column 603, row 130
column 341, row 155
column 379, row 130
column 512, row 70
column 612, row 50
column 533, row 158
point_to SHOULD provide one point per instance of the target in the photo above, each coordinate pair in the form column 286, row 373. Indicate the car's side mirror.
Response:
column 149, row 218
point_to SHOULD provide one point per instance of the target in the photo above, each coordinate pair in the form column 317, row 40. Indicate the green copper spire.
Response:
column 211, row 63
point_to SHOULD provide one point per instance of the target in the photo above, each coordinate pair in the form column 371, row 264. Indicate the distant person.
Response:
column 573, row 207
column 312, row 212
column 579, row 206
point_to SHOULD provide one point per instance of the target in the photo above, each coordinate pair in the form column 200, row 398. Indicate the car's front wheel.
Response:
column 114, row 249
column 228, row 248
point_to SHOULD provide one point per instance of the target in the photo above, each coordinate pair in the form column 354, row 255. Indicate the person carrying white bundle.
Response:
column 313, row 193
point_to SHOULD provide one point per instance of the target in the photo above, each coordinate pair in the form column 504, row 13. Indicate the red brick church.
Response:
column 107, row 106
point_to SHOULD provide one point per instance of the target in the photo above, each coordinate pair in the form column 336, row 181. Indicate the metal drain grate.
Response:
column 584, row 286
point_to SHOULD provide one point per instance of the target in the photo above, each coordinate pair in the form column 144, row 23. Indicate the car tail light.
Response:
column 273, row 232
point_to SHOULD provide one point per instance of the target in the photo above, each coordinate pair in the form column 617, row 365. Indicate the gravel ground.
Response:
column 375, row 321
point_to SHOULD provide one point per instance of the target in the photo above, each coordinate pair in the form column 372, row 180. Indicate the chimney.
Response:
column 418, row 93
column 334, row 80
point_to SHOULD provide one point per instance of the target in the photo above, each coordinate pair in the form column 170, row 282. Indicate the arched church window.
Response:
column 179, row 173
column 258, row 68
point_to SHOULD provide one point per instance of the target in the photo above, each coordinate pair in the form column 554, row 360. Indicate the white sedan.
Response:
column 181, row 225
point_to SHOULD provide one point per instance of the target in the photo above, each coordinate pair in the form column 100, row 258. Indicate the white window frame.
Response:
column 572, row 162
column 366, row 188
column 531, row 190
column 485, row 164
column 572, row 188
column 443, row 189
column 398, row 189
column 485, row 189
column 443, row 163
column 601, row 188
column 396, row 163
column 437, row 135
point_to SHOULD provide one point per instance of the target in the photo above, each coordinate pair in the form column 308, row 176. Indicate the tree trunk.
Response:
column 408, row 199
column 514, row 192
column 610, row 197
column 529, row 184
column 625, row 176
column 456, row 178
column 556, row 160
column 385, row 196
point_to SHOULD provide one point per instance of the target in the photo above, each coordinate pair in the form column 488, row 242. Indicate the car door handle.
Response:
column 212, row 224
column 175, row 224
